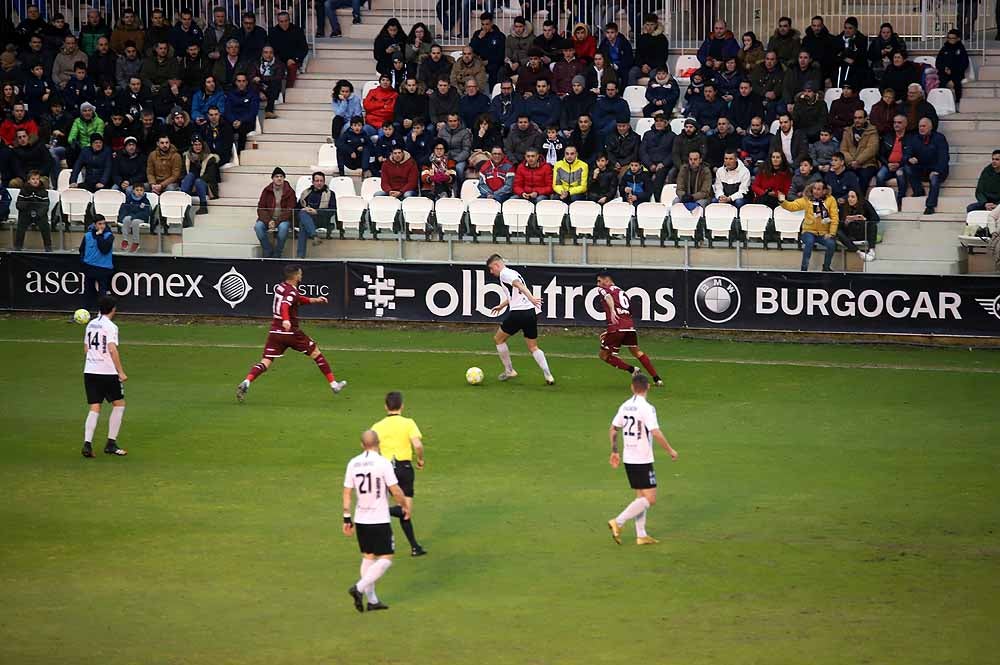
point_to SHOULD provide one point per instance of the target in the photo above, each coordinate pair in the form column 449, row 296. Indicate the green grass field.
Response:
column 822, row 510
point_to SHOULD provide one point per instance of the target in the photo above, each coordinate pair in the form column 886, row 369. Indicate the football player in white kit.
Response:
column 372, row 477
column 522, row 316
column 636, row 419
column 103, row 377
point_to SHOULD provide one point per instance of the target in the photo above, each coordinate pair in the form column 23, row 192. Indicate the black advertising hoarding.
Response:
column 409, row 291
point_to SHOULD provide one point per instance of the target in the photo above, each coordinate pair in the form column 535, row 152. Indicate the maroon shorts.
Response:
column 296, row 340
column 614, row 341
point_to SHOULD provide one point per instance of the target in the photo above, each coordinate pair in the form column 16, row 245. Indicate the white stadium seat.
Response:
column 63, row 182
column 549, row 216
column 684, row 63
column 326, row 160
column 651, row 219
column 831, row 95
column 925, row 60
column 719, row 220
column 643, row 125
column 870, row 97
column 943, row 101
column 416, row 211
column 495, row 91
column 787, row 223
column 677, row 125
column 482, row 215
column 54, row 201
column 383, row 211
column 174, row 207
column 470, row 191
column 684, row 222
column 583, row 217
column 108, row 202
column 14, row 193
column 617, row 217
column 301, row 185
column 774, row 127
column 668, row 193
column 754, row 219
column 635, row 95
column 75, row 202
column 368, row 87
column 449, row 213
column 369, row 186
column 883, row 199
column 343, row 186
column 350, row 210
column 516, row 214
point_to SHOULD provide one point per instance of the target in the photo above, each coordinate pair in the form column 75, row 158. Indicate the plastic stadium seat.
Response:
column 684, row 63
column 549, row 216
column 943, row 101
column 350, row 210
column 75, row 202
column 107, row 202
column 368, row 87
column 470, row 191
column 516, row 214
column 495, row 91
column 369, row 186
column 643, row 125
column 870, row 97
column 774, row 127
column 63, row 183
column 301, row 185
column 668, row 193
column 787, row 223
column 416, row 211
column 483, row 214
column 617, row 217
column 831, row 95
column 635, row 95
column 925, row 60
column 583, row 217
column 883, row 199
column 326, row 160
column 54, row 201
column 14, row 193
column 719, row 220
column 677, row 125
column 343, row 186
column 449, row 213
column 975, row 219
column 754, row 219
column 456, row 54
column 382, row 210
column 651, row 219
column 174, row 207
column 684, row 222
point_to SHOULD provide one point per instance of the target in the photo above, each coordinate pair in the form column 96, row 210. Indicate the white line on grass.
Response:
column 571, row 356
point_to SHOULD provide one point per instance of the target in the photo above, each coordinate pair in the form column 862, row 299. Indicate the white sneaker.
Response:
column 241, row 390
column 550, row 380
column 507, row 375
column 337, row 386
column 870, row 255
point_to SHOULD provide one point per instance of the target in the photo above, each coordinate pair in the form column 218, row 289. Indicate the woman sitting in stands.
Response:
column 346, row 105
column 858, row 221
column 773, row 180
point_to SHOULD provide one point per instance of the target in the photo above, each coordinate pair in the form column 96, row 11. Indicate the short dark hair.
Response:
column 839, row 155
column 394, row 400
column 611, row 26
column 79, row 64
column 995, row 152
column 486, row 16
column 291, row 269
column 316, row 173
column 604, row 272
column 785, row 18
column 640, row 381
column 106, row 304
column 492, row 258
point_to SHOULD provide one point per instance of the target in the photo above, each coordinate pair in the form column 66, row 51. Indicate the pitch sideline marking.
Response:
column 572, row 356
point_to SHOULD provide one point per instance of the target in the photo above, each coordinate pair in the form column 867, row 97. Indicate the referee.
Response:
column 399, row 438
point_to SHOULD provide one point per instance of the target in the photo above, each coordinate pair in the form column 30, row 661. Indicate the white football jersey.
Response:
column 370, row 476
column 101, row 332
column 636, row 418
column 518, row 301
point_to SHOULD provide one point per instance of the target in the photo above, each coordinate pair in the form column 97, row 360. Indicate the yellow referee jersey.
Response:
column 394, row 434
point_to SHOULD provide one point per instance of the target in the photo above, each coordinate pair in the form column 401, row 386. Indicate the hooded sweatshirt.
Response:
column 516, row 48
column 496, row 179
column 786, row 47
column 399, row 177
column 640, row 183
column 380, row 106
column 734, row 184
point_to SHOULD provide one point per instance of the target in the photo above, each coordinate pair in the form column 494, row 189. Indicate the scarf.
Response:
column 266, row 68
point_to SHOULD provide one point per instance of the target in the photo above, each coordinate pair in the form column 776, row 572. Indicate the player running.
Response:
column 103, row 377
column 636, row 419
column 285, row 332
column 621, row 329
column 522, row 316
column 371, row 476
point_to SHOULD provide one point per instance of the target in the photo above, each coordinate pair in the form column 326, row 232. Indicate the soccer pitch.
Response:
column 831, row 504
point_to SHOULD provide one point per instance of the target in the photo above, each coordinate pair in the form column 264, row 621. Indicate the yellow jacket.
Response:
column 570, row 178
column 819, row 226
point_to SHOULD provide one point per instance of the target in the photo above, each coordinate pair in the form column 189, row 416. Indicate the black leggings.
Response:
column 871, row 234
column 945, row 79
column 337, row 126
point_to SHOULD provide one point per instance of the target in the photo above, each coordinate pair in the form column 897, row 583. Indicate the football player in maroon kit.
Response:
column 621, row 329
column 286, row 334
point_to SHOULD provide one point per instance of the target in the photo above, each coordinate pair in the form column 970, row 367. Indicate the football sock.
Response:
column 539, row 357
column 396, row 511
column 631, row 510
column 615, row 361
column 375, row 571
column 91, row 425
column 256, row 371
column 324, row 367
column 408, row 530
column 115, row 422
column 648, row 364
column 365, row 565
column 504, row 353
column 640, row 524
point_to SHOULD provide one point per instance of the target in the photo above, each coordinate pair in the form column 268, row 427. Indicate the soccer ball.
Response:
column 81, row 316
column 474, row 376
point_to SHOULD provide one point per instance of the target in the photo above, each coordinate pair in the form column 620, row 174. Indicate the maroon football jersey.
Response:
column 285, row 294
column 620, row 298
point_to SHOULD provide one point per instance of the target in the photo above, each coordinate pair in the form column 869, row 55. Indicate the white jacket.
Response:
column 740, row 176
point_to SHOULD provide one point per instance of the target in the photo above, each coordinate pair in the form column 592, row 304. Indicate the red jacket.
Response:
column 9, row 128
column 401, row 177
column 265, row 206
column 380, row 106
column 586, row 49
column 779, row 182
column 537, row 180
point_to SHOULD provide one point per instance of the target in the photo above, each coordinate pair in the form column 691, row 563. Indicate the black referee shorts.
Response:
column 521, row 320
column 375, row 539
column 405, row 475
column 102, row 387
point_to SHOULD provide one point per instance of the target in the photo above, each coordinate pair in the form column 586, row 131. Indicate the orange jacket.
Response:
column 380, row 106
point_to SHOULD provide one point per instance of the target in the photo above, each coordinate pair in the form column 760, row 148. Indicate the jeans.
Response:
column 191, row 181
column 884, row 175
column 97, row 284
column 260, row 228
column 130, row 229
column 459, row 177
column 978, row 206
column 331, row 7
column 808, row 240
column 307, row 230
column 912, row 176
column 407, row 194
column 344, row 159
column 737, row 203
column 865, row 178
column 572, row 198
column 692, row 205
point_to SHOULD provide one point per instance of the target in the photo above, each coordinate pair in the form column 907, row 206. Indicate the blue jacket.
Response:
column 543, row 111
column 841, row 184
column 96, row 164
column 719, row 48
column 383, row 147
column 136, row 208
column 705, row 112
column 347, row 109
column 669, row 93
column 607, row 111
column 470, row 108
column 491, row 49
column 200, row 104
column 932, row 154
column 96, row 250
column 34, row 90
column 506, row 108
column 420, row 148
column 77, row 92
column 242, row 106
column 352, row 142
column 619, row 54
column 756, row 147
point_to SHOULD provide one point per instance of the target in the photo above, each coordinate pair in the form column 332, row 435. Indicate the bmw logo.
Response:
column 717, row 299
column 233, row 288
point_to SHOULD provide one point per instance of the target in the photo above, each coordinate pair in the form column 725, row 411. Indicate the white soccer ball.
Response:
column 474, row 376
column 81, row 316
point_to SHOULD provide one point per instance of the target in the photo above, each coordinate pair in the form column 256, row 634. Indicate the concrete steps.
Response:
column 286, row 125
column 926, row 248
column 914, row 267
column 219, row 250
column 956, row 204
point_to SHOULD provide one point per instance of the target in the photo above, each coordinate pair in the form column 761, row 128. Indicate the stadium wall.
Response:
column 952, row 305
